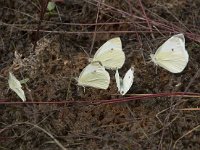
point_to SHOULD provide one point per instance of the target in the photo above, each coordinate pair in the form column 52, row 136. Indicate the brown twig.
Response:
column 172, row 108
column 197, row 127
column 43, row 8
column 146, row 18
column 95, row 29
column 37, row 127
column 109, row 101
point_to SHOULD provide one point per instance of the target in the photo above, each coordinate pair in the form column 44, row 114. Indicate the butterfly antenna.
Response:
column 85, row 52
column 156, row 69
column 75, row 78
column 149, row 61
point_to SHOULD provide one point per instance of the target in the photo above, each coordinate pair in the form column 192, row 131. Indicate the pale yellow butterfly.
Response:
column 110, row 54
column 16, row 86
column 124, row 84
column 94, row 75
column 172, row 55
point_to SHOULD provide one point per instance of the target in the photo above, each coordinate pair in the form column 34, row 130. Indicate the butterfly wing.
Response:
column 127, row 81
column 20, row 93
column 15, row 85
column 119, row 81
column 94, row 75
column 172, row 55
column 110, row 54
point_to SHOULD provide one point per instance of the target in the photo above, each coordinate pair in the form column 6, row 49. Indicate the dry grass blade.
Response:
column 192, row 130
column 39, row 128
column 190, row 109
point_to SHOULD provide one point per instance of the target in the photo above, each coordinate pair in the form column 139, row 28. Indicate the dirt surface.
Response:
column 66, row 37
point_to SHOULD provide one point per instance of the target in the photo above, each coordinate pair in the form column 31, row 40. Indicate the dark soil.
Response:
column 63, row 44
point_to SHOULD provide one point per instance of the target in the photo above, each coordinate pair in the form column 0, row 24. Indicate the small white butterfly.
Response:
column 172, row 54
column 94, row 75
column 110, row 54
column 16, row 86
column 125, row 84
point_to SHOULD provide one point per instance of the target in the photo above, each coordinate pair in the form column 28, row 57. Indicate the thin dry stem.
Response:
column 37, row 127
column 95, row 29
column 195, row 128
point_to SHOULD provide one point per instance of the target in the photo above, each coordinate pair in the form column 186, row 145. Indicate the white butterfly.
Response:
column 94, row 75
column 16, row 86
column 172, row 55
column 110, row 54
column 125, row 84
